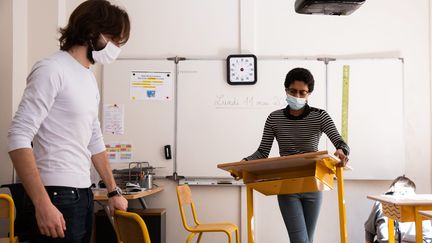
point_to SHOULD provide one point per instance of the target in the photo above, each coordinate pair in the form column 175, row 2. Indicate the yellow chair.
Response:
column 7, row 210
column 184, row 196
column 130, row 228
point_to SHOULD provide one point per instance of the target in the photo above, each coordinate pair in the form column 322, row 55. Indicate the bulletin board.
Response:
column 148, row 110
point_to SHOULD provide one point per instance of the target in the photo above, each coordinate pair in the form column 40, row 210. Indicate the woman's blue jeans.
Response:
column 300, row 213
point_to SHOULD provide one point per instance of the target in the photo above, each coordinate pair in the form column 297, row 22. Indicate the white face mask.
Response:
column 401, row 189
column 295, row 103
column 108, row 54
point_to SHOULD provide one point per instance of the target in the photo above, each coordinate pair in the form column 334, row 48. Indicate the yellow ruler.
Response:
column 345, row 103
column 339, row 170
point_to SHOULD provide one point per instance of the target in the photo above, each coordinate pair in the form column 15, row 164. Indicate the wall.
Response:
column 8, row 90
column 6, row 93
column 189, row 28
column 375, row 30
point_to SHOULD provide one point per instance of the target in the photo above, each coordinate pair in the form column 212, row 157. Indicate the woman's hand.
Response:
column 344, row 158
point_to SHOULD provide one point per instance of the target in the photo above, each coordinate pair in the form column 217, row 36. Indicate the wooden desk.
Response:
column 308, row 172
column 101, row 195
column 426, row 214
column 404, row 209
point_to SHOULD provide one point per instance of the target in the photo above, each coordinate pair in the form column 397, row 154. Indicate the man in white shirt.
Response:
column 59, row 114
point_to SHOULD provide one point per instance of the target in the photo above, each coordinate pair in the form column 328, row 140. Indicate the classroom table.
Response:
column 404, row 209
column 307, row 172
column 101, row 195
column 426, row 215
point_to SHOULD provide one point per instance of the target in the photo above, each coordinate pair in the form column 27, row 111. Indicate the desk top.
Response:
column 101, row 194
column 279, row 163
column 427, row 214
column 411, row 200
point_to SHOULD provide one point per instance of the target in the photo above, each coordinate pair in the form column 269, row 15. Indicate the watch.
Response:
column 117, row 192
column 242, row 69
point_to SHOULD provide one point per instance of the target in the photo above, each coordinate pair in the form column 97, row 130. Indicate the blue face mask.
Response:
column 295, row 103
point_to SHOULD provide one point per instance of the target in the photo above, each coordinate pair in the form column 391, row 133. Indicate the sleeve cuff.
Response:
column 17, row 142
column 97, row 148
column 345, row 151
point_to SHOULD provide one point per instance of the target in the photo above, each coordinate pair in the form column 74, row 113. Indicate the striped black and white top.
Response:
column 298, row 134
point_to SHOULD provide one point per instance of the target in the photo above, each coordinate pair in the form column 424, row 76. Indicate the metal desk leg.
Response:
column 341, row 202
column 143, row 203
column 250, row 214
column 391, row 232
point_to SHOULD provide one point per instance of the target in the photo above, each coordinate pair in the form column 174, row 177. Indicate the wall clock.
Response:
column 242, row 69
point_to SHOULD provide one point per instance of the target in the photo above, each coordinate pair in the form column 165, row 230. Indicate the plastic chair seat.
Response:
column 215, row 227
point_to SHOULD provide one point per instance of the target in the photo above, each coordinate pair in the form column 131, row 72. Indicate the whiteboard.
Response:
column 216, row 122
column 375, row 115
column 148, row 124
column 219, row 123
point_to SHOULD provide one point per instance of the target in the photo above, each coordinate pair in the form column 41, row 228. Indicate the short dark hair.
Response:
column 300, row 74
column 92, row 18
column 405, row 180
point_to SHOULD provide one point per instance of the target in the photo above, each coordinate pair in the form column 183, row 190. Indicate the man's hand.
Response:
column 100, row 161
column 50, row 221
column 344, row 159
column 117, row 203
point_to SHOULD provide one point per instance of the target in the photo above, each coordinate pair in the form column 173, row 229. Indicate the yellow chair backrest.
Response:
column 184, row 196
column 130, row 228
column 7, row 210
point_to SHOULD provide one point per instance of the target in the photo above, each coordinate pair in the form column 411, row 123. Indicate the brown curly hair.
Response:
column 90, row 19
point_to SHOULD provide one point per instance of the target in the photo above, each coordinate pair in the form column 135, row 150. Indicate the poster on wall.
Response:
column 150, row 85
column 119, row 152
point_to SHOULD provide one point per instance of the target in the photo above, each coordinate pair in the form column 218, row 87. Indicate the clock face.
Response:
column 241, row 69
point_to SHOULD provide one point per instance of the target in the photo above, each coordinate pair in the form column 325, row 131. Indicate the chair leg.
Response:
column 237, row 236
column 199, row 237
column 229, row 237
column 190, row 237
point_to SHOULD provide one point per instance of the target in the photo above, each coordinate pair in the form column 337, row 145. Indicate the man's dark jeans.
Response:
column 76, row 205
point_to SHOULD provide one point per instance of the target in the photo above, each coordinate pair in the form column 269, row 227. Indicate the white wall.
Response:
column 6, row 94
column 6, row 83
column 164, row 28
column 42, row 29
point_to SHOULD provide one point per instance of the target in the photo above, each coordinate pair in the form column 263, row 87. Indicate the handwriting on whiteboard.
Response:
column 223, row 101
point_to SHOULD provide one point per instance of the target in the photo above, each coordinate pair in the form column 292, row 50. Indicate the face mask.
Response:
column 295, row 103
column 401, row 189
column 108, row 54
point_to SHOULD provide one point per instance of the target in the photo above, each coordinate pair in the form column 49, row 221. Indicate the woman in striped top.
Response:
column 298, row 129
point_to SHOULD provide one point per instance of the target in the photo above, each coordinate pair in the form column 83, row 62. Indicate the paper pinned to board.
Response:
column 113, row 119
column 119, row 152
column 151, row 85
